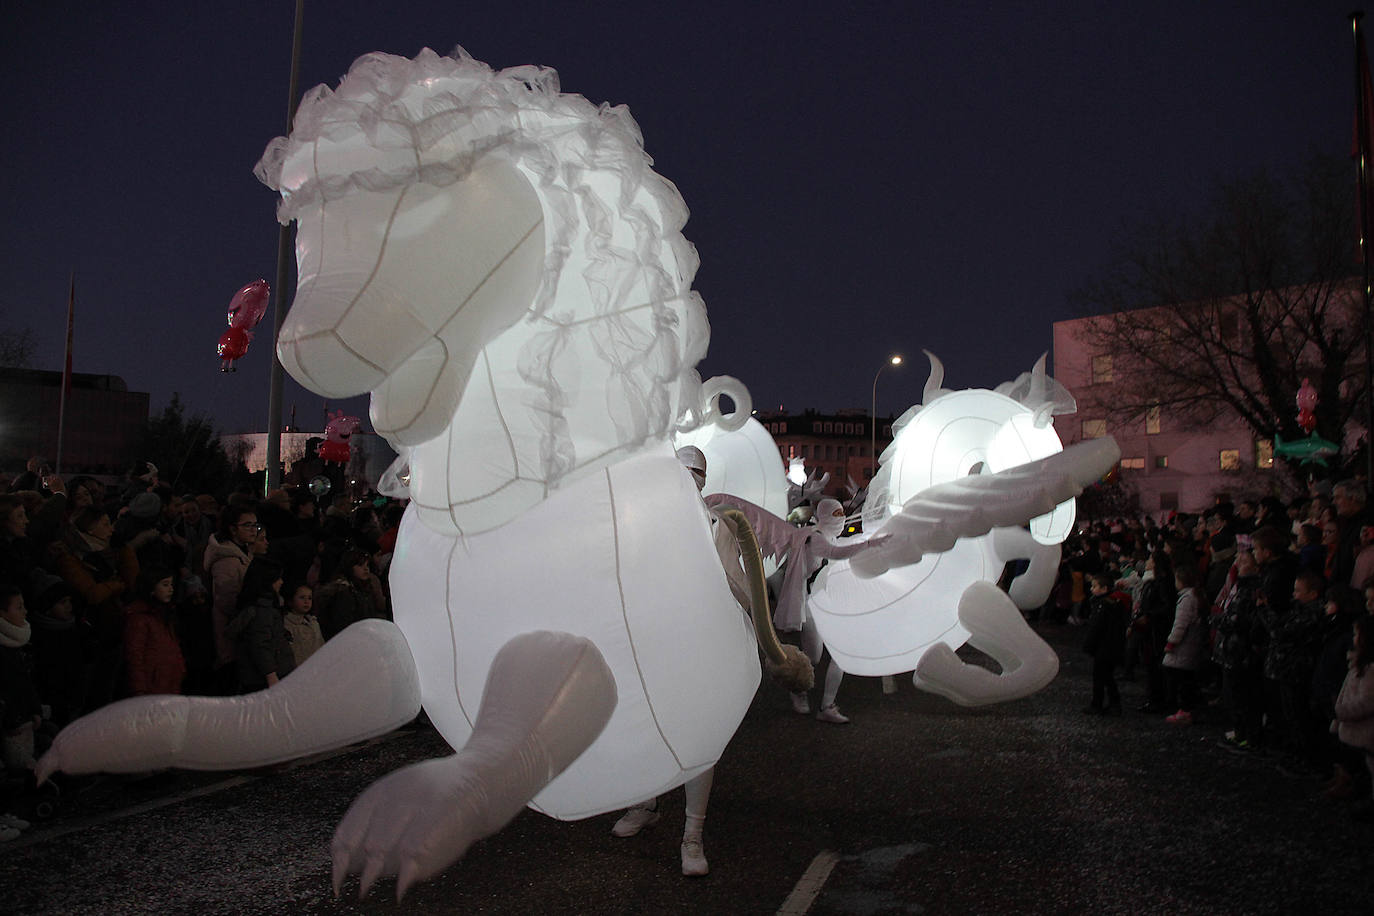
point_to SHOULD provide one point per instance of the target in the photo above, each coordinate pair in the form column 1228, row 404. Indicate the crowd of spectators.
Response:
column 1254, row 615
column 109, row 591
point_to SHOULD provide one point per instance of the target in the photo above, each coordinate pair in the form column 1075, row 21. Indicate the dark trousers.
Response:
column 1181, row 689
column 1104, row 681
column 1300, row 728
column 1242, row 690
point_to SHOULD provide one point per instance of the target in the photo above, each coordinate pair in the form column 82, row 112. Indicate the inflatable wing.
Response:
column 934, row 519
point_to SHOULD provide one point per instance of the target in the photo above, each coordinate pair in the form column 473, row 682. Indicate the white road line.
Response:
column 809, row 885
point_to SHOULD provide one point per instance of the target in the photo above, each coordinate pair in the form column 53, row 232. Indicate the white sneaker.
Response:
column 801, row 705
column 9, row 833
column 694, row 857
column 832, row 715
column 17, row 823
column 635, row 820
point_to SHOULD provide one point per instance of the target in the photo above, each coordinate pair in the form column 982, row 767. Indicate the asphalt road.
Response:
column 918, row 806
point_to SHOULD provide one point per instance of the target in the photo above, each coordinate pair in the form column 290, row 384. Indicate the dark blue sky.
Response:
column 863, row 178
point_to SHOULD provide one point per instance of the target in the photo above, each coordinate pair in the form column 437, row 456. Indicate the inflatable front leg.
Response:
column 547, row 697
column 996, row 627
column 360, row 684
column 1032, row 588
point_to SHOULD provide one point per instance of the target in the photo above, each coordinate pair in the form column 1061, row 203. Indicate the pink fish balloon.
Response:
column 245, row 311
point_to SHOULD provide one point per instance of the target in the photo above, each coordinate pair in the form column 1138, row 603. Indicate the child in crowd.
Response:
column 301, row 626
column 1185, row 645
column 1354, row 721
column 1239, row 651
column 152, row 654
column 1109, row 614
column 263, row 650
column 19, row 706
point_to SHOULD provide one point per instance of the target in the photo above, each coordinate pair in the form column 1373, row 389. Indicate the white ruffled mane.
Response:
column 605, row 355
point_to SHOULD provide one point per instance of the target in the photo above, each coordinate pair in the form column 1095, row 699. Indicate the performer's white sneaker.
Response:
column 694, row 857
column 635, row 820
column 832, row 715
column 801, row 705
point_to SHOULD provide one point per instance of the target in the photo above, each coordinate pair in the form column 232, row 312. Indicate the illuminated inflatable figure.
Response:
column 880, row 621
column 498, row 265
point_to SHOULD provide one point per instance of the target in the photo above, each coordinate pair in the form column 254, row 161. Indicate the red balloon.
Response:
column 233, row 344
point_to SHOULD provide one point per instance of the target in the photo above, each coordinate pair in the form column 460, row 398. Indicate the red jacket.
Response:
column 154, row 656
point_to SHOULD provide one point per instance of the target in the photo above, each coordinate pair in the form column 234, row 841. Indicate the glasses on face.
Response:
column 250, row 526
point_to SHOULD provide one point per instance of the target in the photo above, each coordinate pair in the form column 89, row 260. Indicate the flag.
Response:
column 67, row 365
column 1362, row 142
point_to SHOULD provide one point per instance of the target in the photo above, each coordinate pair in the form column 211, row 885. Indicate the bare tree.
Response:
column 1229, row 310
column 16, row 348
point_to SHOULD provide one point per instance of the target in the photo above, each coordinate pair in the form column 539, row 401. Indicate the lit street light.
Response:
column 894, row 360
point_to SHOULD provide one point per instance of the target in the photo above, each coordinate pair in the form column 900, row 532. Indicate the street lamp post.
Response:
column 893, row 360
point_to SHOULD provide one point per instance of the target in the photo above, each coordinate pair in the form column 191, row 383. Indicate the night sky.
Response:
column 863, row 178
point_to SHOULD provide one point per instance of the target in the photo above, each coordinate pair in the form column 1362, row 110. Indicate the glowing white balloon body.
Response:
column 623, row 558
column 744, row 463
column 888, row 624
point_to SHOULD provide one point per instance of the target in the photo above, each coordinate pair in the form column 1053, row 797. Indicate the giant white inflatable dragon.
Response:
column 497, row 263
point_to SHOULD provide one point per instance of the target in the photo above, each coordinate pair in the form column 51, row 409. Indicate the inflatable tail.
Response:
column 786, row 664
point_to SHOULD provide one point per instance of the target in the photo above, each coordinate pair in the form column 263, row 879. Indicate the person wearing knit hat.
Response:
column 59, row 661
column 145, row 506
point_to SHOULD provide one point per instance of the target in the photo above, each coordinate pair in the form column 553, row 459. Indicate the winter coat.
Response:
column 225, row 564
column 18, row 695
column 151, row 650
column 340, row 603
column 263, row 646
column 59, row 664
column 1329, row 672
column 99, row 578
column 1109, row 616
column 1355, row 709
column 1188, row 638
column 1294, row 640
column 305, row 635
column 1240, row 636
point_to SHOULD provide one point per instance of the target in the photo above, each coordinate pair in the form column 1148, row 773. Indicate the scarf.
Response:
column 11, row 636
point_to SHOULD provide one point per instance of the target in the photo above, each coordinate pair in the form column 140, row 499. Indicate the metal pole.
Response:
column 272, row 477
column 1362, row 127
column 893, row 360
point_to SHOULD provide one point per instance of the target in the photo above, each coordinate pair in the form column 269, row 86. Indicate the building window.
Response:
column 1152, row 421
column 827, row 427
column 1094, row 429
column 1133, row 464
column 1264, row 453
column 1102, row 369
column 1162, row 461
column 1168, row 501
column 1230, row 459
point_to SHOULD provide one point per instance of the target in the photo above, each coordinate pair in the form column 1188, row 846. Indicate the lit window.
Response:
column 1162, row 461
column 1133, row 464
column 1102, row 369
column 1230, row 459
column 1152, row 421
column 1094, row 429
column 1264, row 453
